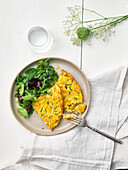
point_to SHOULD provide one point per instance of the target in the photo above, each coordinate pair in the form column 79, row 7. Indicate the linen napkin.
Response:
column 81, row 148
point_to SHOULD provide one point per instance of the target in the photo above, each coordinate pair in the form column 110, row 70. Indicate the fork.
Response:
column 83, row 123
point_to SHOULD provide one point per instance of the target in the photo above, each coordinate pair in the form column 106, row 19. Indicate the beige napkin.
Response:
column 81, row 148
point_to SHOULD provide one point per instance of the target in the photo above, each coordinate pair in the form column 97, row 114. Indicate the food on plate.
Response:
column 50, row 107
column 70, row 90
column 35, row 82
column 36, row 90
column 69, row 116
column 79, row 108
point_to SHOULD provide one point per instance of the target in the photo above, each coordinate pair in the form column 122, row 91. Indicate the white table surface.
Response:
column 16, row 18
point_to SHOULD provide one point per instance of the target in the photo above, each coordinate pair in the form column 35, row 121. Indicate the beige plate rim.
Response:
column 45, row 133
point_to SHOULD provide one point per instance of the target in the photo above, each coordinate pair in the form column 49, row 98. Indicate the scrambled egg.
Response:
column 69, row 116
column 79, row 108
column 71, row 93
column 50, row 107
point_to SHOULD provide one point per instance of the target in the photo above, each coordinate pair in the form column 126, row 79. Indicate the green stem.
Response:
column 119, row 20
column 112, row 23
column 92, row 20
column 124, row 18
column 102, row 19
column 95, row 13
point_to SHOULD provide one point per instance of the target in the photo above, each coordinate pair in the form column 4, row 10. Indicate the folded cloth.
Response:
column 81, row 148
column 120, row 158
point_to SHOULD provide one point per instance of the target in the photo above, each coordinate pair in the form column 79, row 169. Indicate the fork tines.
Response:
column 76, row 121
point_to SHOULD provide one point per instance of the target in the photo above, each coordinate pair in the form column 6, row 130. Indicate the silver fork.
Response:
column 83, row 123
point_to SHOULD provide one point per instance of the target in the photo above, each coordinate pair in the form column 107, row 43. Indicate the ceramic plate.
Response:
column 34, row 123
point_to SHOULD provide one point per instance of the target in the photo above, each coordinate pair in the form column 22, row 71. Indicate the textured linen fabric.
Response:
column 120, row 158
column 81, row 148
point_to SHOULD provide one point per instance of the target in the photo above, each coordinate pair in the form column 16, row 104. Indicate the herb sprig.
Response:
column 101, row 28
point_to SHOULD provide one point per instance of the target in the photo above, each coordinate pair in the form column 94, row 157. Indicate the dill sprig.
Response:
column 101, row 28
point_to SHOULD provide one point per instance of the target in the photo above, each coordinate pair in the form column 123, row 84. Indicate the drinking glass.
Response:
column 39, row 39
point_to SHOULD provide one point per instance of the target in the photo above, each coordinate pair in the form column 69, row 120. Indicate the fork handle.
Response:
column 104, row 134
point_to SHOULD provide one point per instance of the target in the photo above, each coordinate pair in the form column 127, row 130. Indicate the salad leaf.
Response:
column 19, row 98
column 19, row 78
column 21, row 88
column 23, row 112
column 29, row 97
column 46, row 61
column 55, row 77
column 18, row 87
column 31, row 72
column 30, row 109
column 34, row 82
column 45, row 90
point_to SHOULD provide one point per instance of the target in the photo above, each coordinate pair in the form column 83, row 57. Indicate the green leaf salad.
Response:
column 32, row 84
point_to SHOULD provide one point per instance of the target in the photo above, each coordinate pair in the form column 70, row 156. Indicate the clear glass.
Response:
column 39, row 39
